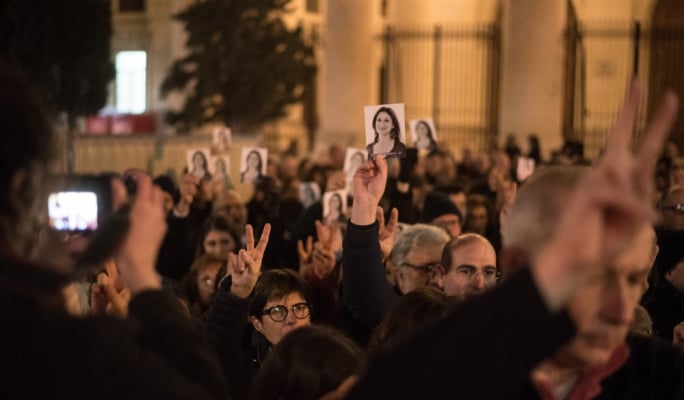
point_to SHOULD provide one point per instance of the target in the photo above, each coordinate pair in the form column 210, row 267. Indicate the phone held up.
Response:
column 82, row 205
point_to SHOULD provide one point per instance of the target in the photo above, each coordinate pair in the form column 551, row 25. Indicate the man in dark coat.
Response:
column 154, row 353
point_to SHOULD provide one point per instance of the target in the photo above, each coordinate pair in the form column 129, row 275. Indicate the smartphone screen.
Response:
column 74, row 211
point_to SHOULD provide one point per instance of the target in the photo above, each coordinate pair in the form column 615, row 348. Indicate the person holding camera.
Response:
column 154, row 352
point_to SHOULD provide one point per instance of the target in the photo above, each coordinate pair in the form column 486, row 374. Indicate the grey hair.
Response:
column 417, row 235
column 535, row 213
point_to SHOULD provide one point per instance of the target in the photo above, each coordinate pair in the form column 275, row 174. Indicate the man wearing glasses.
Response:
column 416, row 254
column 468, row 267
column 673, row 209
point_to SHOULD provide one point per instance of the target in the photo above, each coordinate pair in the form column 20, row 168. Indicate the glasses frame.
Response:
column 427, row 268
column 268, row 311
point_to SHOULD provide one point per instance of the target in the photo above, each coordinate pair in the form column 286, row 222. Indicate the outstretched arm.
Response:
column 366, row 293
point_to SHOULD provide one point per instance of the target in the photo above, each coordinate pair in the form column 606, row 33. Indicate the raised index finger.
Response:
column 249, row 237
column 263, row 240
column 656, row 132
column 620, row 136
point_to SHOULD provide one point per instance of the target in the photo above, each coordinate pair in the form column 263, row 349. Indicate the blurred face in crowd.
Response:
column 205, row 282
column 218, row 244
column 451, row 223
column 677, row 176
column 230, row 205
column 417, row 267
column 459, row 200
column 603, row 309
column 478, row 219
column 673, row 210
column 676, row 276
column 291, row 312
column 472, row 272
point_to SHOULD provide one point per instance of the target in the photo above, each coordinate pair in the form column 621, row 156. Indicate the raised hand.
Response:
column 387, row 230
column 109, row 295
column 329, row 236
column 608, row 205
column 137, row 256
column 245, row 267
column 370, row 180
column 189, row 185
column 305, row 255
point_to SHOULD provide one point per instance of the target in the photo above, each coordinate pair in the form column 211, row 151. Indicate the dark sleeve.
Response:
column 227, row 327
column 482, row 350
column 367, row 294
column 169, row 333
column 177, row 251
column 325, row 299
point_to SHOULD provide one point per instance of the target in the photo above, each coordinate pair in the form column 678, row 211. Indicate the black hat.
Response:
column 437, row 204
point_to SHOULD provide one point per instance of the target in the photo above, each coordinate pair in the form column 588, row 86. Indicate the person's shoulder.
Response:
column 656, row 351
column 399, row 145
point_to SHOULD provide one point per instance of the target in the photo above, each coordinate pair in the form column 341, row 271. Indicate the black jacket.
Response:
column 488, row 346
column 155, row 353
column 665, row 305
column 240, row 348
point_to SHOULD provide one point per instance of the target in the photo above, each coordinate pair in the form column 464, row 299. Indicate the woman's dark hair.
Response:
column 339, row 198
column 433, row 144
column 188, row 287
column 275, row 284
column 394, row 133
column 412, row 312
column 259, row 167
column 204, row 159
column 217, row 222
column 308, row 363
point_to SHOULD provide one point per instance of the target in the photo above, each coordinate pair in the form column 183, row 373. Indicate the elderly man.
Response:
column 415, row 255
column 556, row 330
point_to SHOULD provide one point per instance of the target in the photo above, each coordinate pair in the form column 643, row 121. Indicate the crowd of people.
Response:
column 444, row 278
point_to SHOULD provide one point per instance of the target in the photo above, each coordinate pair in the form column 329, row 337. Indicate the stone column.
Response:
column 349, row 72
column 532, row 71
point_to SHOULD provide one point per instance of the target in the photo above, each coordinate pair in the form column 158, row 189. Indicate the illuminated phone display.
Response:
column 73, row 211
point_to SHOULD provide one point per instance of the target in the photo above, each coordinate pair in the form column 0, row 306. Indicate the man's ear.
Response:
column 256, row 323
column 438, row 276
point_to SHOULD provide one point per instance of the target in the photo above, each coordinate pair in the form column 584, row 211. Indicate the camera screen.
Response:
column 73, row 211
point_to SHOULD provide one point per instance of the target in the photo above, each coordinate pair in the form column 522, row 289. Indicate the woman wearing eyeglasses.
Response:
column 253, row 311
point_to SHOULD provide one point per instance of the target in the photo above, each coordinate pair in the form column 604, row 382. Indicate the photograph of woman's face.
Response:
column 253, row 161
column 198, row 160
column 335, row 203
column 422, row 131
column 383, row 123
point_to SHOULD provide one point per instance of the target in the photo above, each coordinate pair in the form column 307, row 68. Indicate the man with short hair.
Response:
column 673, row 208
column 468, row 267
column 415, row 255
column 601, row 357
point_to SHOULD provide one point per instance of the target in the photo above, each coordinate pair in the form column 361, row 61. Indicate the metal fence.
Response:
column 449, row 73
column 602, row 57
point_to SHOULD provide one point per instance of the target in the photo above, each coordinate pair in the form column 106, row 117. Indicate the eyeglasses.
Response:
column 279, row 313
column 489, row 273
column 676, row 208
column 425, row 268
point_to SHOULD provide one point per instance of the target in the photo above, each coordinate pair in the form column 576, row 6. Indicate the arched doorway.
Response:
column 667, row 59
